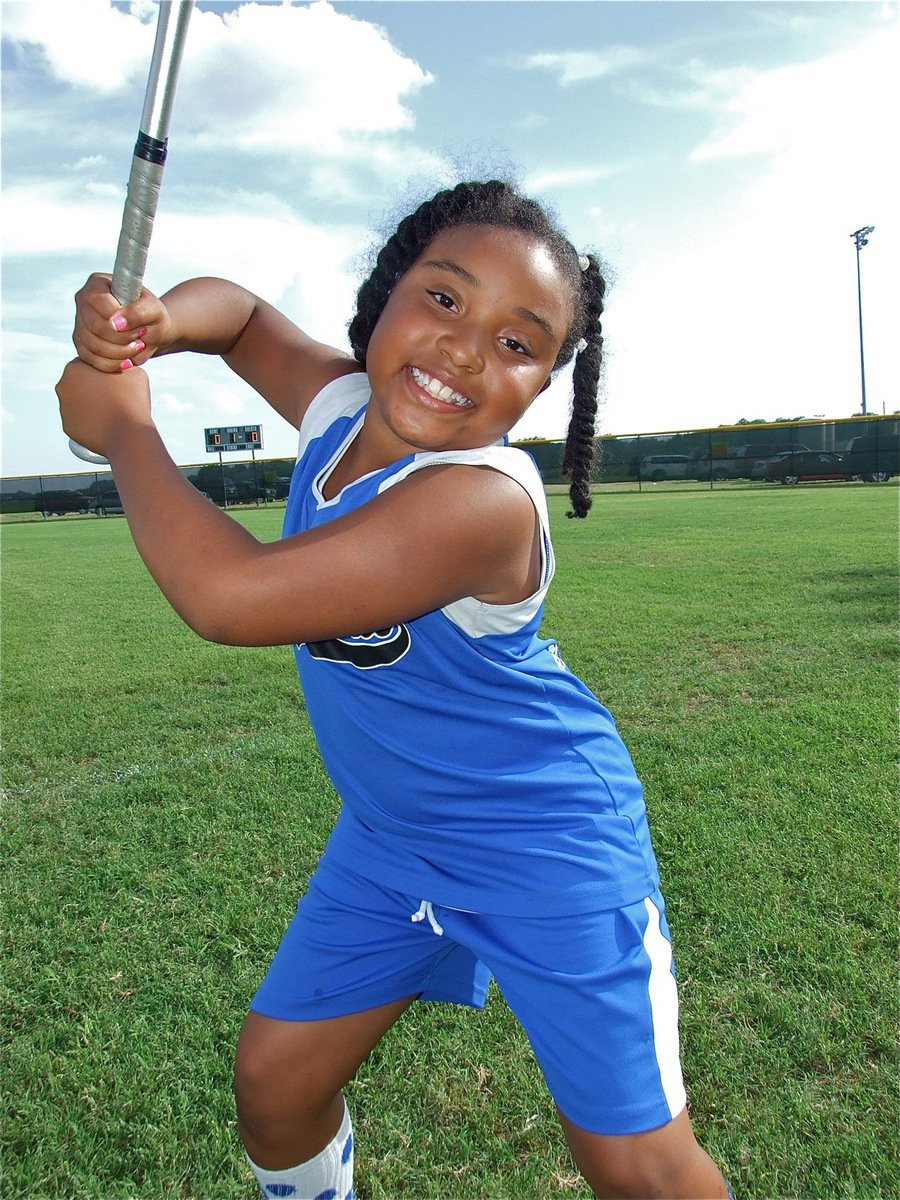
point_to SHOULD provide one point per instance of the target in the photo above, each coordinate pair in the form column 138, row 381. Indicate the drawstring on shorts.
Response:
column 425, row 910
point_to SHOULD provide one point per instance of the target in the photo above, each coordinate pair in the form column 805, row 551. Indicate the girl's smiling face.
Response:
column 467, row 339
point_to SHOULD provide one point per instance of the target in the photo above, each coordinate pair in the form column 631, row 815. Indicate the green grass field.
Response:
column 164, row 806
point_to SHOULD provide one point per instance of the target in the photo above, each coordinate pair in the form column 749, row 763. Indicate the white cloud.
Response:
column 257, row 240
column 697, row 89
column 531, row 122
column 576, row 66
column 258, row 77
column 549, row 414
column 265, row 77
column 266, row 251
column 52, row 217
column 169, row 402
column 87, row 44
column 755, row 313
column 192, row 393
column 544, row 181
column 812, row 110
column 34, row 361
column 90, row 162
column 22, row 347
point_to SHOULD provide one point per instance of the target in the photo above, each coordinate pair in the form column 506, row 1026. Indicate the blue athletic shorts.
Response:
column 594, row 992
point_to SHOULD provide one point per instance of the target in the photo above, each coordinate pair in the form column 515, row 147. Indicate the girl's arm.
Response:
column 208, row 316
column 442, row 534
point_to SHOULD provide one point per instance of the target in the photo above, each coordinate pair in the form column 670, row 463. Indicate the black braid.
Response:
column 578, row 457
column 497, row 203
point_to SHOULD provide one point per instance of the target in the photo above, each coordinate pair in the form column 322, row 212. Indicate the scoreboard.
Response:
column 234, row 437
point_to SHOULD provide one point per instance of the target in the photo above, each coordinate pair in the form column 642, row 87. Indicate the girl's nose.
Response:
column 461, row 348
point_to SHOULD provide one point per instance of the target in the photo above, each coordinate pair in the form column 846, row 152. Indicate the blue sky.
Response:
column 716, row 155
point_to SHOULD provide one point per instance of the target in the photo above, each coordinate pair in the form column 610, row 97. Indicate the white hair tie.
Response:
column 583, row 261
column 581, row 345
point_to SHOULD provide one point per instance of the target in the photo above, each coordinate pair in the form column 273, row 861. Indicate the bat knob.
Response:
column 87, row 455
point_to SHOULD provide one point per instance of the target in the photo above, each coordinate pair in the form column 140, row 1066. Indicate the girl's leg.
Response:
column 596, row 995
column 288, row 1079
column 665, row 1162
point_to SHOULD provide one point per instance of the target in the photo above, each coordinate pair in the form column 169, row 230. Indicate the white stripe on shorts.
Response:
column 663, row 995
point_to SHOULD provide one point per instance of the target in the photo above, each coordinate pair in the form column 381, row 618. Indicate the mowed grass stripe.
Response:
column 165, row 805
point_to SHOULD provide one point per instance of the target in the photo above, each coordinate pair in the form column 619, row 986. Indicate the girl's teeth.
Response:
column 435, row 388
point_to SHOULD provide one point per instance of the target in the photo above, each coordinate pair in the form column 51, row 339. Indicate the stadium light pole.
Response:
column 861, row 238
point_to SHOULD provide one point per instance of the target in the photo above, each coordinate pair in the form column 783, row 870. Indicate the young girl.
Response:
column 492, row 823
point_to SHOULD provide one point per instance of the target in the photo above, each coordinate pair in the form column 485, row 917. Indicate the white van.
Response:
column 657, row 467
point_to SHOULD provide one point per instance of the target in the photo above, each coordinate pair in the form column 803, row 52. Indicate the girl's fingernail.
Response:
column 142, row 332
column 126, row 364
column 118, row 322
column 136, row 347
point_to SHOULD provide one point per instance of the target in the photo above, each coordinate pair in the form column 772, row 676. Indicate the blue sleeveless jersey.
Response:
column 475, row 769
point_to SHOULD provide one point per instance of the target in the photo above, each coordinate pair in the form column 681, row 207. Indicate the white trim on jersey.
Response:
column 474, row 617
column 663, row 995
column 340, row 398
column 318, row 484
column 343, row 397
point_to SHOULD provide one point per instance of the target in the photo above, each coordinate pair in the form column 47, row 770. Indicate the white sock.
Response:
column 328, row 1176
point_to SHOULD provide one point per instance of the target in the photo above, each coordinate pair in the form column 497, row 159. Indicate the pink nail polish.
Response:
column 136, row 347
column 118, row 323
column 142, row 332
column 126, row 364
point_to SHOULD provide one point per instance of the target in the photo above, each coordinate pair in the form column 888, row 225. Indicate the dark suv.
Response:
column 873, row 458
column 57, row 502
column 107, row 502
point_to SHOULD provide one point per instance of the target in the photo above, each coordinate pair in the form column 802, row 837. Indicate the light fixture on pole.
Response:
column 861, row 238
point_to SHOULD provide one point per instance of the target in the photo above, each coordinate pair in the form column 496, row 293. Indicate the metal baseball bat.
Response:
column 147, row 164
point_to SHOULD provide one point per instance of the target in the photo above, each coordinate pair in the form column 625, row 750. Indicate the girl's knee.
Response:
column 288, row 1104
column 275, row 1072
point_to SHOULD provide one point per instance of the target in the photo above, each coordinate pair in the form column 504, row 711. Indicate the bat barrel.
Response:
column 171, row 32
column 147, row 164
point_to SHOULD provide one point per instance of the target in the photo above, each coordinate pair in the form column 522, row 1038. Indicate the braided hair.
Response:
column 496, row 203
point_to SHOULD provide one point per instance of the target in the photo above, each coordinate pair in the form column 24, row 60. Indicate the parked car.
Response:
column 718, row 469
column 805, row 467
column 107, row 502
column 17, row 502
column 57, row 502
column 872, row 458
column 213, row 490
column 245, row 491
column 760, row 469
column 657, row 467
column 742, row 461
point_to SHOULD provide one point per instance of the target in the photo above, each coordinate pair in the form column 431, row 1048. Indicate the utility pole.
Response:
column 861, row 237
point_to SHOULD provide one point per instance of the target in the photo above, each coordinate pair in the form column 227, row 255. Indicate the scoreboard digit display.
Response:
column 234, row 437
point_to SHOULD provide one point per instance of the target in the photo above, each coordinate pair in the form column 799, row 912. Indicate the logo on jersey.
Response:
column 366, row 651
column 553, row 650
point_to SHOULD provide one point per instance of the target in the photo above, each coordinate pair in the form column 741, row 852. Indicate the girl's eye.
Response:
column 516, row 347
column 443, row 299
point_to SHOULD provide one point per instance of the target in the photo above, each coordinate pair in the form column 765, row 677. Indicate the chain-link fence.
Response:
column 255, row 481
column 866, row 448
